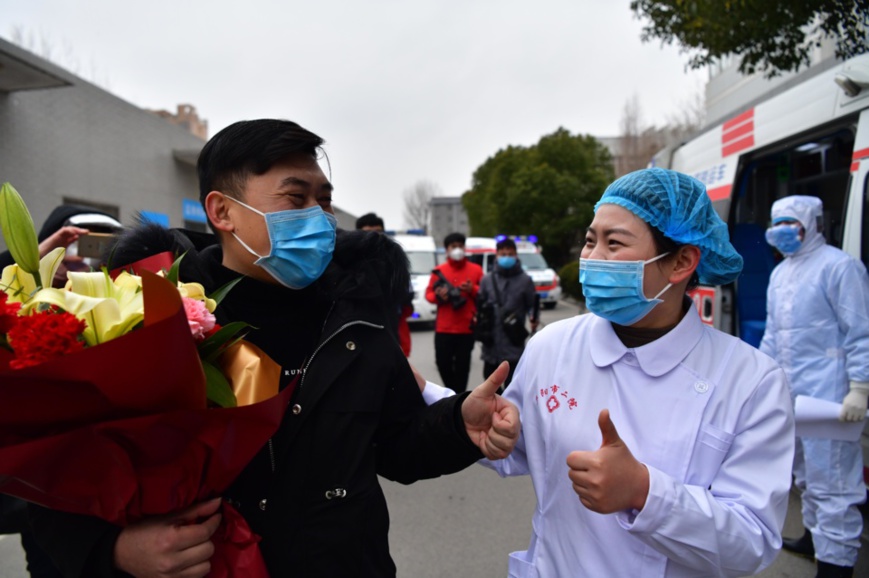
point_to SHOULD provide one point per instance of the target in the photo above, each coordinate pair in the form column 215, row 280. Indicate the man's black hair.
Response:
column 454, row 238
column 505, row 244
column 250, row 147
column 369, row 220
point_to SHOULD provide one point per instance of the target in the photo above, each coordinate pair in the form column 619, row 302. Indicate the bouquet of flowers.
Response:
column 113, row 401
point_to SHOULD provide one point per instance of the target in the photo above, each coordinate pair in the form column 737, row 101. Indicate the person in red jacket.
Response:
column 453, row 288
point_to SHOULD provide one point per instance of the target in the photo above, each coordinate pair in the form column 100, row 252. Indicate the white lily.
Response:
column 109, row 308
column 20, row 285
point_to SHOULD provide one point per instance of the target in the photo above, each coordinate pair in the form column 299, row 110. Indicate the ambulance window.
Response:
column 838, row 156
column 808, row 164
column 476, row 258
column 821, row 168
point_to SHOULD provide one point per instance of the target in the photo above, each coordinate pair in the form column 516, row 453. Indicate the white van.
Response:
column 481, row 250
column 545, row 278
column 421, row 251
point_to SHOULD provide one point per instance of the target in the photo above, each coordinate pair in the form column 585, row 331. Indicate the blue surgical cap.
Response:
column 678, row 206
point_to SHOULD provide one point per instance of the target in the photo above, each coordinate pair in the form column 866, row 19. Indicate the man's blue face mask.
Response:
column 614, row 289
column 506, row 262
column 302, row 243
column 785, row 238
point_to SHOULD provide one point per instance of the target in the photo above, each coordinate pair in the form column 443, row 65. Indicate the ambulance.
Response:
column 481, row 250
column 808, row 137
column 421, row 251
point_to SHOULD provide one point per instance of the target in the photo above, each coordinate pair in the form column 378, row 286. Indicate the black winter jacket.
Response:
column 312, row 493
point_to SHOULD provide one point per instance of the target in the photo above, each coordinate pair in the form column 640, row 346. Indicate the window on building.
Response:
column 112, row 210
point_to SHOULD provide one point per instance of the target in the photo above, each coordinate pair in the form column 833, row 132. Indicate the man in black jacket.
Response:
column 321, row 311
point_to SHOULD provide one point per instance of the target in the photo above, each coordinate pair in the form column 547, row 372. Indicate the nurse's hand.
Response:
column 610, row 479
column 491, row 421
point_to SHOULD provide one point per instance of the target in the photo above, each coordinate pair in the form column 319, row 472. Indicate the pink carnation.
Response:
column 199, row 318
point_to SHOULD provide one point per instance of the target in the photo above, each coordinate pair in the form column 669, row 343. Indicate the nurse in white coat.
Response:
column 657, row 445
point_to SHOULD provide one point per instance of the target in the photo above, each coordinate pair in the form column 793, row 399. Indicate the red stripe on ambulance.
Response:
column 747, row 115
column 729, row 135
column 737, row 134
column 719, row 193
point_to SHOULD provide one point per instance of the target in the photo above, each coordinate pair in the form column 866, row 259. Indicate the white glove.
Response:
column 855, row 403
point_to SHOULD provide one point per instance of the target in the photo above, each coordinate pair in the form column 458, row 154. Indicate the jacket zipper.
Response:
column 307, row 365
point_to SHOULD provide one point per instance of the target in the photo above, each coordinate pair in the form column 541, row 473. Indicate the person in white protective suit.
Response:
column 817, row 328
column 657, row 445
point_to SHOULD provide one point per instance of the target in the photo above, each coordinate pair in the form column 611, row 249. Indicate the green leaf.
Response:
column 172, row 274
column 220, row 293
column 217, row 388
column 211, row 347
column 19, row 234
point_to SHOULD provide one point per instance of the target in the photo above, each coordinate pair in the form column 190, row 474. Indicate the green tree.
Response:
column 769, row 35
column 548, row 189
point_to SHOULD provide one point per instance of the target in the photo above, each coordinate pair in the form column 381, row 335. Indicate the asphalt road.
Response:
column 466, row 524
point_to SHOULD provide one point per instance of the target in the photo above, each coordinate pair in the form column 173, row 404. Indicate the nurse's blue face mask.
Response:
column 302, row 242
column 614, row 289
column 785, row 238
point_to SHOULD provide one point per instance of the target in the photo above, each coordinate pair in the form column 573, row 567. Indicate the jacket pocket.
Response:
column 709, row 453
column 520, row 567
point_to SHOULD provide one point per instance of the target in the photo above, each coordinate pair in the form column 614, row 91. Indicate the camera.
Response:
column 454, row 295
column 95, row 245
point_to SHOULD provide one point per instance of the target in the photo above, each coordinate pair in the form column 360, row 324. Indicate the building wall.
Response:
column 81, row 142
column 345, row 220
column 447, row 216
column 185, row 116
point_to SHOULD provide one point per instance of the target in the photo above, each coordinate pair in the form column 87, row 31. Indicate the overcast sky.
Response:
column 402, row 91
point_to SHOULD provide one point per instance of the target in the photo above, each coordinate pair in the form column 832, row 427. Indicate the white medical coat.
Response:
column 709, row 415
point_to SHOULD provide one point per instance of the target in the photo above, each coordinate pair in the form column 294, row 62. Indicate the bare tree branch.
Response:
column 64, row 55
column 417, row 204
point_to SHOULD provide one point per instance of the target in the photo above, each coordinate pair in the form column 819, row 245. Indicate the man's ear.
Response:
column 686, row 262
column 217, row 209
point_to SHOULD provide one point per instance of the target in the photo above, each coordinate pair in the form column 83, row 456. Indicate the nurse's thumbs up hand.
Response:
column 610, row 479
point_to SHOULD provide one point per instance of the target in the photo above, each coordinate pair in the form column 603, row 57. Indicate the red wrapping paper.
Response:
column 120, row 431
column 154, row 263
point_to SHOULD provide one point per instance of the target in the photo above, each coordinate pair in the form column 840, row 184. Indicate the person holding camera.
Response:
column 511, row 292
column 453, row 287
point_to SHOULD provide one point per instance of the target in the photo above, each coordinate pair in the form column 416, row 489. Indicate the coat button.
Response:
column 350, row 345
column 262, row 504
column 297, row 409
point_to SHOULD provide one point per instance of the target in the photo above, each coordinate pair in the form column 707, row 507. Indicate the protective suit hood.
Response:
column 808, row 211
